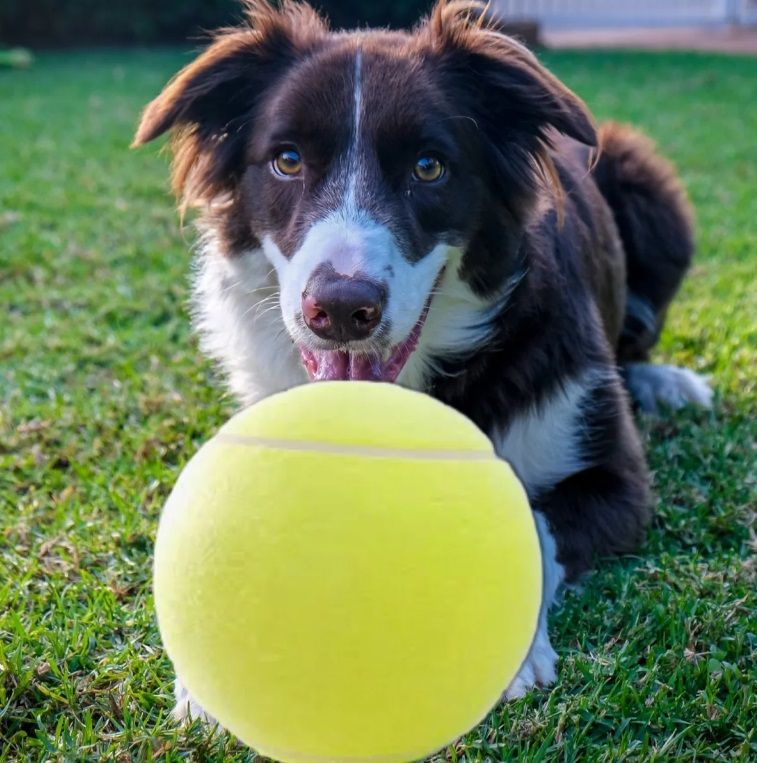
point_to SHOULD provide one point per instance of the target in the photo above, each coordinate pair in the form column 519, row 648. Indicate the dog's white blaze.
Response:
column 542, row 442
column 539, row 666
column 354, row 151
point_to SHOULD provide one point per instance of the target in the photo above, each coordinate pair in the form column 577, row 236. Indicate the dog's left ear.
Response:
column 508, row 88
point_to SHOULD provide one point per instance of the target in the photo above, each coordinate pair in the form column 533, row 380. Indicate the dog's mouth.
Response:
column 341, row 365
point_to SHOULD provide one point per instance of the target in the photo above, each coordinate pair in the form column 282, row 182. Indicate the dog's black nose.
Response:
column 342, row 308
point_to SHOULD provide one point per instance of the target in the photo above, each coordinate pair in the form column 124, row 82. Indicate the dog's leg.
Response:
column 599, row 510
column 539, row 665
column 595, row 512
column 670, row 386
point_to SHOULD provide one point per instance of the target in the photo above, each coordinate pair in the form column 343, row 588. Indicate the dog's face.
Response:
column 358, row 187
column 377, row 172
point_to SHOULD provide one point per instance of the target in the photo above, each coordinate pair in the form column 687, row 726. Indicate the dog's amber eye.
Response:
column 287, row 162
column 427, row 169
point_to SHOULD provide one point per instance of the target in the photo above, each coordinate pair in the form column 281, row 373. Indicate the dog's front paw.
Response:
column 186, row 708
column 539, row 668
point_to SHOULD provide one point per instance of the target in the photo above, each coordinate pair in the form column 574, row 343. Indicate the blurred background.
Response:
column 671, row 23
column 77, row 22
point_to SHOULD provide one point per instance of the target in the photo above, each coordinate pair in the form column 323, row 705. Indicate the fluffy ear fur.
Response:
column 208, row 101
column 515, row 103
column 516, row 92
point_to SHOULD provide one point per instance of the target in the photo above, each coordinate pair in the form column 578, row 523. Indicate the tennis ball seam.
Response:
column 368, row 451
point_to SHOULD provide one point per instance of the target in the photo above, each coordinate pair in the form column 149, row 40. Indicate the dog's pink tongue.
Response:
column 341, row 366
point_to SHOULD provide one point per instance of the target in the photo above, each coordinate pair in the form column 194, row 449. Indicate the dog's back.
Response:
column 655, row 224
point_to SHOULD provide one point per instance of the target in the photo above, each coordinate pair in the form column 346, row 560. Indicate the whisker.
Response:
column 280, row 333
column 248, row 310
column 270, row 309
column 273, row 299
column 229, row 287
column 259, row 304
column 270, row 298
column 256, row 310
column 261, row 288
column 266, row 304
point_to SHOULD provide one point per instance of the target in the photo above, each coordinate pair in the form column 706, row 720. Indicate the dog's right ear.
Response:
column 206, row 94
column 207, row 102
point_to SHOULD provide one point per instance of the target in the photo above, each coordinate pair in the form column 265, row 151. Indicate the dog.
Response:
column 434, row 208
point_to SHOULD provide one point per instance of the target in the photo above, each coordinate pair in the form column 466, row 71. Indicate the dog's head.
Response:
column 376, row 171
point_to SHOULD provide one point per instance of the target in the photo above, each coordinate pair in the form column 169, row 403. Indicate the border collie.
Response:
column 434, row 208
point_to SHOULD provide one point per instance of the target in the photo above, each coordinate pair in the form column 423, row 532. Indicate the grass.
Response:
column 103, row 398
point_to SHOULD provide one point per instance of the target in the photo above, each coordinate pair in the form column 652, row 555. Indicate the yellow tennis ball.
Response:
column 346, row 572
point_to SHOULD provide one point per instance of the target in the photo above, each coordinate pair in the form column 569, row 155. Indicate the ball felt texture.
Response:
column 346, row 572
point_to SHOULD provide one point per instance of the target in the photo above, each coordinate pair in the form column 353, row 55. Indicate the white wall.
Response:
column 627, row 13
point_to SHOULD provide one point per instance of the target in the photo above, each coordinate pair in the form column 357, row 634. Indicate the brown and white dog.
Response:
column 435, row 208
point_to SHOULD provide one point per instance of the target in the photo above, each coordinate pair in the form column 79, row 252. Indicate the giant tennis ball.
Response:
column 346, row 572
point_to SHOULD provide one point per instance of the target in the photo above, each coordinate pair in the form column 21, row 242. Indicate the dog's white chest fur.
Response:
column 237, row 315
column 541, row 442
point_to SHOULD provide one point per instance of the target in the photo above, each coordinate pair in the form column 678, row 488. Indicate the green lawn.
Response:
column 104, row 396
